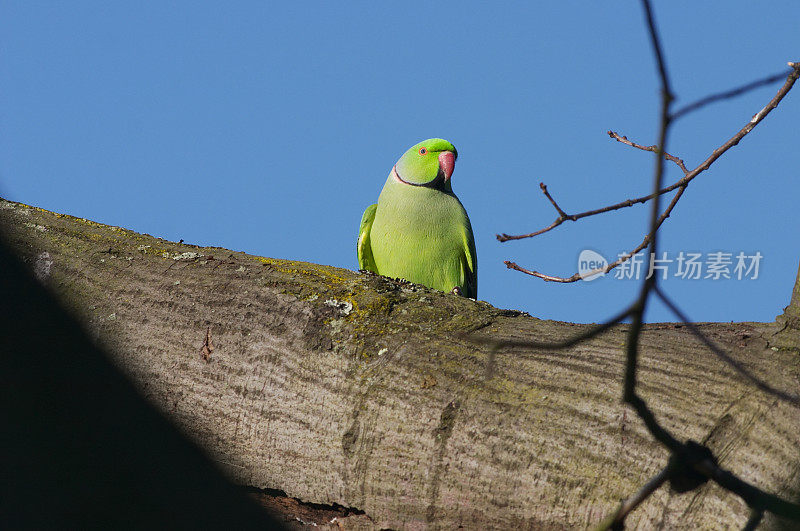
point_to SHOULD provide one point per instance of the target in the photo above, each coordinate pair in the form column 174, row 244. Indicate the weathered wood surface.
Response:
column 339, row 387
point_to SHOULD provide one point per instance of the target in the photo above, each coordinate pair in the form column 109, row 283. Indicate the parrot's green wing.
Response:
column 469, row 265
column 365, row 259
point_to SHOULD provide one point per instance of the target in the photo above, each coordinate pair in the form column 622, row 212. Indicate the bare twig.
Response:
column 732, row 93
column 563, row 216
column 655, row 41
column 654, row 149
column 691, row 464
column 553, row 202
column 686, row 454
column 616, row 520
column 624, row 258
column 680, row 184
column 548, row 278
column 757, row 499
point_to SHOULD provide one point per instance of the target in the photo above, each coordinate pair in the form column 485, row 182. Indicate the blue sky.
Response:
column 268, row 128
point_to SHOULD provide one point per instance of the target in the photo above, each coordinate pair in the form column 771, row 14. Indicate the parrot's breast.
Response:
column 418, row 234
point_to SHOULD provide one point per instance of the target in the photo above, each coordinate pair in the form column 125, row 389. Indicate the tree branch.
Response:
column 624, row 258
column 687, row 454
column 686, row 109
column 617, row 519
column 652, row 149
column 680, row 184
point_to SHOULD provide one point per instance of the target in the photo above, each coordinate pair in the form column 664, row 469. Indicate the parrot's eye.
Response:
column 422, row 151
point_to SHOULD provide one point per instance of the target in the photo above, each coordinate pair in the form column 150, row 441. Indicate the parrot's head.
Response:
column 429, row 164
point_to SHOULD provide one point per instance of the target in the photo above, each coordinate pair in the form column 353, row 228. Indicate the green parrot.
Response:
column 418, row 230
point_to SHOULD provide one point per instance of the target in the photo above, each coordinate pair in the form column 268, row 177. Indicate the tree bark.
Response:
column 81, row 449
column 354, row 389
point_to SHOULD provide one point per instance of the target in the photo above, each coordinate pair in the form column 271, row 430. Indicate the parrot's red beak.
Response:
column 447, row 163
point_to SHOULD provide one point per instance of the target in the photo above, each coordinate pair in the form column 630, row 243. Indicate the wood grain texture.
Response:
column 339, row 387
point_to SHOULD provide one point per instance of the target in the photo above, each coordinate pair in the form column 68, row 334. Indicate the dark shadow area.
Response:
column 79, row 447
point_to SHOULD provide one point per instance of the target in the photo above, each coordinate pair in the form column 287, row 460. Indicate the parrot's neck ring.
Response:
column 436, row 183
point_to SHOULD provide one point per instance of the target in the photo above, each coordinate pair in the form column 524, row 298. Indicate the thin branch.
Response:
column 632, row 343
column 754, row 121
column 563, row 216
column 553, row 202
column 617, row 519
column 548, row 278
column 721, row 354
column 505, row 237
column 683, row 455
column 653, row 149
column 757, row 499
column 656, row 43
column 624, row 258
column 653, row 427
column 682, row 183
column 637, row 316
column 732, row 93
column 754, row 497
